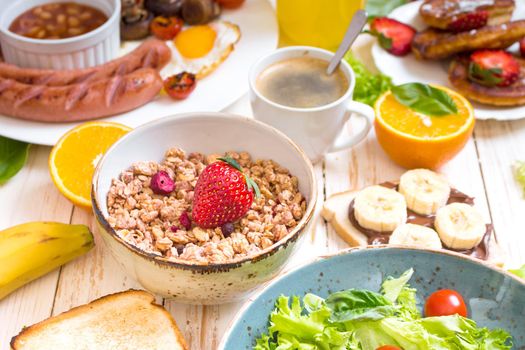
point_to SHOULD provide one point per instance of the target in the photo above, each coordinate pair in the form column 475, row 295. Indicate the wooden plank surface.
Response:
column 482, row 169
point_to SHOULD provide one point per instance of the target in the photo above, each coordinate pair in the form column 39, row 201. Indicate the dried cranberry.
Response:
column 161, row 183
column 174, row 228
column 185, row 221
column 227, row 229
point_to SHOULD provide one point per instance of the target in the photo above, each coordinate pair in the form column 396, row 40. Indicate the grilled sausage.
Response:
column 152, row 53
column 81, row 101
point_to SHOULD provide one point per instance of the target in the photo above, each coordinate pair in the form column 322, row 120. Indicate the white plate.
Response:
column 224, row 86
column 409, row 69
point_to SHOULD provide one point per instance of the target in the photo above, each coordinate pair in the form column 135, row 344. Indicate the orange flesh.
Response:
column 78, row 155
column 407, row 121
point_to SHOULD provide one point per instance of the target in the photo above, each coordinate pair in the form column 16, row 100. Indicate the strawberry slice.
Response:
column 468, row 21
column 393, row 36
column 222, row 194
column 493, row 68
column 522, row 47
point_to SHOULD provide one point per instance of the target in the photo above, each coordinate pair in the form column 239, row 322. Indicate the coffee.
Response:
column 301, row 82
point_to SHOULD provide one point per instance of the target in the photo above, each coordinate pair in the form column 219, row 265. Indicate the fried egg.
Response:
column 201, row 49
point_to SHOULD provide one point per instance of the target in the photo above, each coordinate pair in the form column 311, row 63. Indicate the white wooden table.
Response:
column 482, row 169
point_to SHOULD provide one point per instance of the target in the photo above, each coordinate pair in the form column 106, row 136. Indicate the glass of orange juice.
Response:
column 320, row 23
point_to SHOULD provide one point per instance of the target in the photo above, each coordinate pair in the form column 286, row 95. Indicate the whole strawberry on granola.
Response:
column 209, row 209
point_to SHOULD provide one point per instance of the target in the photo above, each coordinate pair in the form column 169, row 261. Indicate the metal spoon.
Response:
column 355, row 27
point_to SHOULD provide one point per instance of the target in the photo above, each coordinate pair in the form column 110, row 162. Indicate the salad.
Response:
column 389, row 320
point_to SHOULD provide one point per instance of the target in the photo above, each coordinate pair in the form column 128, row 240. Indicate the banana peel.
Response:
column 29, row 251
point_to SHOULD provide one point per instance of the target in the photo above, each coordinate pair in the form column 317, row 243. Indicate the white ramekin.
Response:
column 96, row 47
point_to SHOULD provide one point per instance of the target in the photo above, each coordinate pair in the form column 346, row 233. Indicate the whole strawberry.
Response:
column 468, row 21
column 493, row 68
column 393, row 36
column 222, row 194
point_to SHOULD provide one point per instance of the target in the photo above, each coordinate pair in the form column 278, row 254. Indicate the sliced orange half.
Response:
column 73, row 160
column 414, row 140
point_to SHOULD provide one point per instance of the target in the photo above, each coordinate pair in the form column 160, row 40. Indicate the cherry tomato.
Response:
column 445, row 302
column 166, row 28
column 180, row 86
column 389, row 347
column 230, row 4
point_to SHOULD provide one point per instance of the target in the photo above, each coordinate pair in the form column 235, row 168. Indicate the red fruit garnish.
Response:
column 185, row 220
column 222, row 194
column 161, row 183
column 522, row 47
column 468, row 21
column 180, row 86
column 493, row 68
column 393, row 36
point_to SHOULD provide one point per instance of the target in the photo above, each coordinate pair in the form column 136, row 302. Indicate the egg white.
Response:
column 228, row 34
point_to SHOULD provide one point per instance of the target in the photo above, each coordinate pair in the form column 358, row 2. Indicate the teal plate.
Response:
column 494, row 298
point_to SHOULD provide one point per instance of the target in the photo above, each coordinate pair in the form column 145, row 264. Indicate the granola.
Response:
column 161, row 224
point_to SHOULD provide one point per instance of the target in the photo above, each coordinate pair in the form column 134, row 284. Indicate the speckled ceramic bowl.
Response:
column 208, row 133
column 494, row 297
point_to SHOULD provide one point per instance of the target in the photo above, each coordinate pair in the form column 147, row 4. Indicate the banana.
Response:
column 380, row 209
column 415, row 235
column 425, row 191
column 31, row 250
column 460, row 226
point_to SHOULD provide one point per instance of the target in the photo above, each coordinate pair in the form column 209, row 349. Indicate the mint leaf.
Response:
column 488, row 77
column 13, row 156
column 385, row 42
column 425, row 99
column 381, row 8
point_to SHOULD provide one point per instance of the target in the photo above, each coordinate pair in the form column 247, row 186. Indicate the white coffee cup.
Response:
column 318, row 130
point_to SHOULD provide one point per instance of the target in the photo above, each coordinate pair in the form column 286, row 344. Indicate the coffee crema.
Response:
column 301, row 82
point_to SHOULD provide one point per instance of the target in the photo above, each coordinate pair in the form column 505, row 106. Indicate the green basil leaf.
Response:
column 381, row 8
column 353, row 304
column 425, row 99
column 13, row 156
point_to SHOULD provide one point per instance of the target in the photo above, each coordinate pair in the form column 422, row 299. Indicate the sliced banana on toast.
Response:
column 425, row 191
column 380, row 209
column 415, row 235
column 460, row 226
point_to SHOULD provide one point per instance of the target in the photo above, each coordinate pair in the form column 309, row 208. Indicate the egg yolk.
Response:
column 195, row 41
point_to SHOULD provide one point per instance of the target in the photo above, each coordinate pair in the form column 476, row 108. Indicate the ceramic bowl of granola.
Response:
column 203, row 207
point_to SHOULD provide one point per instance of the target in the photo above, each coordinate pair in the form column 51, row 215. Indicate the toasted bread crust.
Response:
column 513, row 95
column 441, row 13
column 434, row 44
column 16, row 342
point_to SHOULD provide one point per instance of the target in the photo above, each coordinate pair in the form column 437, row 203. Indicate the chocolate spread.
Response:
column 376, row 238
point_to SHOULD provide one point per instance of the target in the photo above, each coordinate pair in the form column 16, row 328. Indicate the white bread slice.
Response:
column 123, row 321
column 335, row 211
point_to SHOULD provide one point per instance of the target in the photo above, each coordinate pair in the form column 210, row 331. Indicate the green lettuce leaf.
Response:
column 368, row 86
column 353, row 304
column 364, row 320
